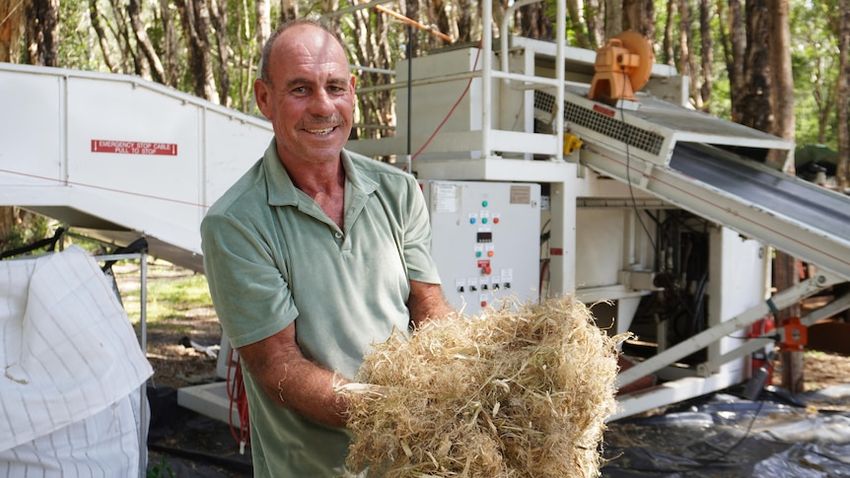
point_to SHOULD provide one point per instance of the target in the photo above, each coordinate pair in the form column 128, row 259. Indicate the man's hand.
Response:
column 294, row 381
column 426, row 302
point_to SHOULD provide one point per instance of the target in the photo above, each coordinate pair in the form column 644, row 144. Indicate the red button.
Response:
column 495, row 220
column 483, row 303
column 486, row 269
column 490, row 253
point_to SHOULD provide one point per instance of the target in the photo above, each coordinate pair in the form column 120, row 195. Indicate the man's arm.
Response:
column 426, row 302
column 294, row 381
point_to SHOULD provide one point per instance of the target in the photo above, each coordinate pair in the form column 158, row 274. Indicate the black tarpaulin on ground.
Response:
column 726, row 436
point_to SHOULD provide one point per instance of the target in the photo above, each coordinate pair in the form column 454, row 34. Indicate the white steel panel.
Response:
column 599, row 237
column 231, row 149
column 31, row 133
column 736, row 284
column 476, row 223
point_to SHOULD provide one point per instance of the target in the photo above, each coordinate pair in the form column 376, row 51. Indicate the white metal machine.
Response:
column 117, row 157
column 666, row 212
column 485, row 241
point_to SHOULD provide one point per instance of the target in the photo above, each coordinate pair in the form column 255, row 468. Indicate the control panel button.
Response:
column 490, row 253
column 484, row 203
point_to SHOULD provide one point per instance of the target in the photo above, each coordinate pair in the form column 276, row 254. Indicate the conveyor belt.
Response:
column 785, row 195
column 799, row 218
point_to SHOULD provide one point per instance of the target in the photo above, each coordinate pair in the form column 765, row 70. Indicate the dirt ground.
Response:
column 190, row 444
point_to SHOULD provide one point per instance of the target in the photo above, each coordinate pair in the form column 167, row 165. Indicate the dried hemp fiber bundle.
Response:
column 508, row 393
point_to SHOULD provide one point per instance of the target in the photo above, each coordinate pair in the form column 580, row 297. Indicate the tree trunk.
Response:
column 613, row 18
column 143, row 42
column 686, row 57
column 264, row 28
column 370, row 48
column 218, row 16
column 11, row 18
column 754, row 101
column 707, row 53
column 843, row 174
column 534, row 22
column 735, row 67
column 466, row 20
column 780, row 66
column 667, row 43
column 102, row 39
column 824, row 96
column 595, row 18
column 639, row 16
column 42, row 32
column 575, row 22
column 8, row 221
column 288, row 10
column 169, row 44
column 195, row 19
column 122, row 37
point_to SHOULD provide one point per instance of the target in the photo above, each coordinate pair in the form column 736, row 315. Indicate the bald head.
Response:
column 297, row 28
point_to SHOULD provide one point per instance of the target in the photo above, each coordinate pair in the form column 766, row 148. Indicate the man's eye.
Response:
column 337, row 90
column 300, row 90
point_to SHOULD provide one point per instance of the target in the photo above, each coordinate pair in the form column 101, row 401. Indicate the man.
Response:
column 312, row 256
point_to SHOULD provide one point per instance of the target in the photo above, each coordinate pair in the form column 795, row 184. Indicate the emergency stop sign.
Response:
column 133, row 147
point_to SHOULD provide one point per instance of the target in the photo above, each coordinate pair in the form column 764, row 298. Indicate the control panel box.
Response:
column 486, row 241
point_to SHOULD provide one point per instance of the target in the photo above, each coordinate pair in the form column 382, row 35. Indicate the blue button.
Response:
column 472, row 220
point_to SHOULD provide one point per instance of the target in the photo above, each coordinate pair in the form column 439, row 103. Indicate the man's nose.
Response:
column 321, row 103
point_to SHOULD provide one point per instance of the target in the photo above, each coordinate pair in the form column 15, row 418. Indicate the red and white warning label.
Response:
column 133, row 147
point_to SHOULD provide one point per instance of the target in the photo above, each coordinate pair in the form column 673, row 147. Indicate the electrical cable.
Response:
column 237, row 396
column 624, row 130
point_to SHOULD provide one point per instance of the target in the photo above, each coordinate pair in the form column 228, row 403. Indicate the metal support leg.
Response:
column 781, row 300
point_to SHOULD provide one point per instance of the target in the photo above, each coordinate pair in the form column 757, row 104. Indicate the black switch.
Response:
column 472, row 288
column 507, row 285
column 460, row 288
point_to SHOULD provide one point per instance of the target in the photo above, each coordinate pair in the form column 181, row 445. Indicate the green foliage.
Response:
column 160, row 470
column 815, row 64
column 28, row 228
column 813, row 29
column 169, row 297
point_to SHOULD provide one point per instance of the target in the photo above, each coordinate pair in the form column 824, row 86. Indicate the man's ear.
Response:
column 351, row 84
column 262, row 93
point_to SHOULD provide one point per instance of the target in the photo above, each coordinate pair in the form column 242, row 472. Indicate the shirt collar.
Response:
column 281, row 190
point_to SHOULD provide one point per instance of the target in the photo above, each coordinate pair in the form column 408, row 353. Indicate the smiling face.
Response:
column 308, row 97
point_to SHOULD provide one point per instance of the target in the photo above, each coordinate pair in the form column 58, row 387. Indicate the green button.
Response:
column 477, row 253
column 483, row 220
column 484, row 203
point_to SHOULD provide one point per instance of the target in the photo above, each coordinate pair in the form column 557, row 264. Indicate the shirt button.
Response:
column 338, row 235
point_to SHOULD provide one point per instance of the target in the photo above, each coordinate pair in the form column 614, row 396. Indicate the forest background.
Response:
column 776, row 65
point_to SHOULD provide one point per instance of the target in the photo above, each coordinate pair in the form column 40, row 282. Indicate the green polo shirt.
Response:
column 272, row 256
